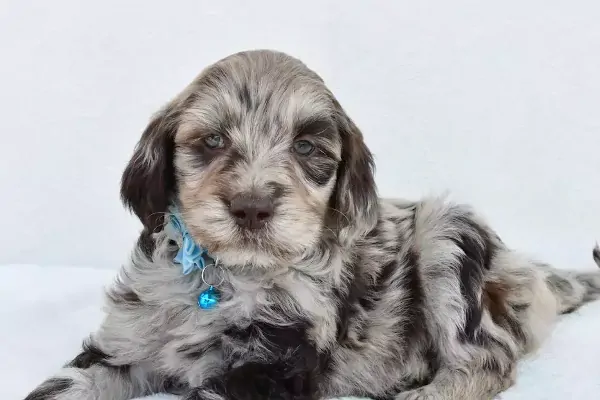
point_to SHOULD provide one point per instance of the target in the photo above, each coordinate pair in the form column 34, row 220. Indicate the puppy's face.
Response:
column 261, row 160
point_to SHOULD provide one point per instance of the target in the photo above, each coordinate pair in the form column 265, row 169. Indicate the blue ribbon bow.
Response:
column 190, row 255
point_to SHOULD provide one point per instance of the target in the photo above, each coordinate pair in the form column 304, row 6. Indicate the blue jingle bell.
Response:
column 209, row 298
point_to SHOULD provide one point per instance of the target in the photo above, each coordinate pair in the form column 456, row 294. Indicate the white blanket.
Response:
column 45, row 312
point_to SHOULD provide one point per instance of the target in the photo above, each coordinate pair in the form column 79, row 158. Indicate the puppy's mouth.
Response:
column 262, row 239
column 263, row 247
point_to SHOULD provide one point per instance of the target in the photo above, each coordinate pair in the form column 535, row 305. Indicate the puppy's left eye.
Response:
column 303, row 147
column 215, row 141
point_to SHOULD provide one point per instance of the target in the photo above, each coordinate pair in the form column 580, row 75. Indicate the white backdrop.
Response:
column 497, row 103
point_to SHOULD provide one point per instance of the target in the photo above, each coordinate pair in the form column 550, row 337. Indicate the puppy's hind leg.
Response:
column 522, row 300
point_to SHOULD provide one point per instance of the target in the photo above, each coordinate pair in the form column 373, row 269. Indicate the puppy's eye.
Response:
column 303, row 147
column 214, row 141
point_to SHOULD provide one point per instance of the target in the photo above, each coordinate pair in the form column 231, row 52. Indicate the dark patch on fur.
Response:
column 484, row 339
column 518, row 308
column 492, row 365
column 233, row 158
column 478, row 251
column 316, row 127
column 323, row 151
column 515, row 328
column 596, row 255
column 413, row 285
column 127, row 298
column 318, row 168
column 173, row 385
column 277, row 339
column 206, row 155
column 266, row 101
column 372, row 294
column 196, row 350
column 245, row 97
column 146, row 243
column 559, row 285
column 404, row 386
column 93, row 355
column 570, row 310
column 433, row 363
column 347, row 300
column 257, row 381
column 292, row 373
column 377, row 238
column 374, row 235
column 276, row 190
column 50, row 389
column 494, row 299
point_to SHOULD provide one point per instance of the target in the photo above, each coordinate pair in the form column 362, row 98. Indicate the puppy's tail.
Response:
column 591, row 280
column 574, row 289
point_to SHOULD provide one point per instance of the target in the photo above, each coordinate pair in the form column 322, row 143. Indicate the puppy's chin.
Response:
column 246, row 259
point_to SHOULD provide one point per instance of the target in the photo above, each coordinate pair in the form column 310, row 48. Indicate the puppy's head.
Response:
column 261, row 160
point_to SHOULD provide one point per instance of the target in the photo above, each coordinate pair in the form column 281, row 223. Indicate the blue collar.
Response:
column 192, row 257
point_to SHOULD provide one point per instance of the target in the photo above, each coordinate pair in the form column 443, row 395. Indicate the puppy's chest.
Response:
column 241, row 308
column 256, row 325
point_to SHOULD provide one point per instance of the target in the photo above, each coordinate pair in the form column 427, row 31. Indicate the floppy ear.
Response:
column 355, row 196
column 148, row 182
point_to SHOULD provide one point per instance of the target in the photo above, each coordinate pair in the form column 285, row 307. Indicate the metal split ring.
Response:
column 216, row 266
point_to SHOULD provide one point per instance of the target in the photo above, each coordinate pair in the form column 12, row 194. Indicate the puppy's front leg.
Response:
column 94, row 375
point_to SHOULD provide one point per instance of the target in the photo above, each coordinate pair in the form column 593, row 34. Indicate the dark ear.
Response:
column 355, row 198
column 148, row 182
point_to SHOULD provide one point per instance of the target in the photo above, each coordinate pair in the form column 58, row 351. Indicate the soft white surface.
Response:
column 444, row 91
column 46, row 312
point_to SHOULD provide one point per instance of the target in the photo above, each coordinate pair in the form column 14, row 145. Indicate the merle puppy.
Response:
column 322, row 288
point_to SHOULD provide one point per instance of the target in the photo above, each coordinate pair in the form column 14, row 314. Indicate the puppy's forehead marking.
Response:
column 256, row 98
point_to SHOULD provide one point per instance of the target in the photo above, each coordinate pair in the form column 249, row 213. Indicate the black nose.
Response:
column 250, row 211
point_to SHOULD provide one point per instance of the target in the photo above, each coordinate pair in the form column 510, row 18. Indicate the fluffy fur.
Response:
column 340, row 293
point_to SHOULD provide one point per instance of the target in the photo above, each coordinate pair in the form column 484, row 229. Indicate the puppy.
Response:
column 321, row 288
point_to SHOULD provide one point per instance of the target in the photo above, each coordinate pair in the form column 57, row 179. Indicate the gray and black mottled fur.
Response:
column 340, row 293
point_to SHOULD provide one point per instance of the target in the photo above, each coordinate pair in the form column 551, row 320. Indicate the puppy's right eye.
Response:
column 303, row 147
column 214, row 141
